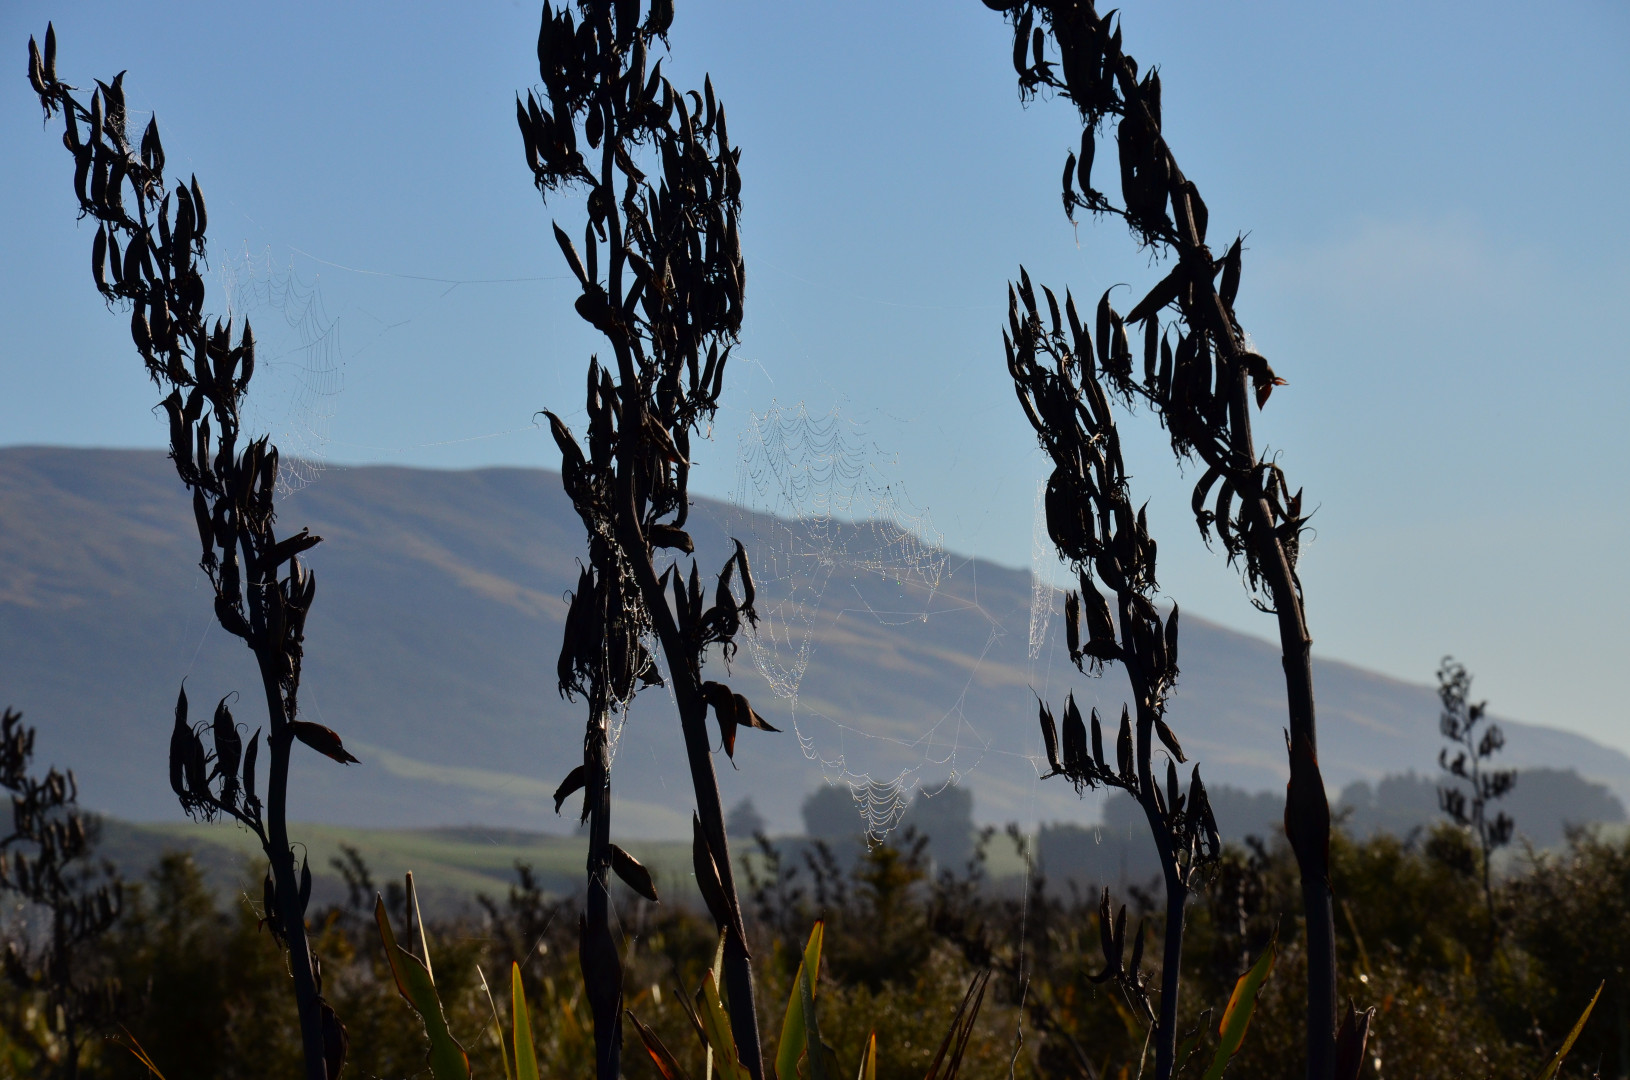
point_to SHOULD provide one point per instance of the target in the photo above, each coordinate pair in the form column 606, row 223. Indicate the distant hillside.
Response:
column 432, row 647
column 1544, row 804
column 454, row 865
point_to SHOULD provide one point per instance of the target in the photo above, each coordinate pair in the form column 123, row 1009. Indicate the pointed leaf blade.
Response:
column 1241, row 1004
column 1573, row 1036
column 526, row 1058
column 791, row 1046
column 448, row 1061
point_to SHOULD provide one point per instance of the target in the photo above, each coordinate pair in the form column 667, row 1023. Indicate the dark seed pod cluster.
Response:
column 661, row 276
column 148, row 252
column 42, row 863
column 1127, row 974
column 1091, row 519
column 1059, row 377
column 1190, row 367
column 1199, row 374
column 210, row 783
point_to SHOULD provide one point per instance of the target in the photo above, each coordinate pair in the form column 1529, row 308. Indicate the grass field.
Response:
column 450, row 865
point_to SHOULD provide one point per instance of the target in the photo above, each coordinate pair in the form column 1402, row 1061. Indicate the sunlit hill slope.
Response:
column 431, row 648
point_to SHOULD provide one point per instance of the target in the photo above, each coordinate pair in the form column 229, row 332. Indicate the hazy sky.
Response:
column 1435, row 199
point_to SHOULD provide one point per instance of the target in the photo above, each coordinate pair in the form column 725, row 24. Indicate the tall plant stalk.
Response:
column 662, row 277
column 1091, row 520
column 1471, row 781
column 147, row 253
column 1201, row 388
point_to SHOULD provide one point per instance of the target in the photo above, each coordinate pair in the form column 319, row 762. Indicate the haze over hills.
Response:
column 431, row 647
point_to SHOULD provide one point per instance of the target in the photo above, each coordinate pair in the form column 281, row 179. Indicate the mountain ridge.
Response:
column 432, row 642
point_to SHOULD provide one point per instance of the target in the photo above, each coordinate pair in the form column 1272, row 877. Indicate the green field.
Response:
column 450, row 865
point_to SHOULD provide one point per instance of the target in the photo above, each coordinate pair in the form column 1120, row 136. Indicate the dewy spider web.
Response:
column 819, row 479
column 298, row 360
column 813, row 500
column 1043, row 574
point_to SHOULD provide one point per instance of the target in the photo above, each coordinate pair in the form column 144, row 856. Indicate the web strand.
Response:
column 299, row 361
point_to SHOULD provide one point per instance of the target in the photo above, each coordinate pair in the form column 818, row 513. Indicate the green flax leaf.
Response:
column 1241, row 1004
column 716, row 1026
column 1567, row 1044
column 791, row 1046
column 448, row 1061
column 526, row 1058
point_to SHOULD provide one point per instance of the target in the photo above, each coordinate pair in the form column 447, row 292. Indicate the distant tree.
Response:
column 829, row 813
column 1550, row 803
column 745, row 820
column 44, row 862
column 1473, row 787
column 946, row 819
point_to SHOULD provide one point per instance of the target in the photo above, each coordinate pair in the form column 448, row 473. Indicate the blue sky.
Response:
column 1434, row 197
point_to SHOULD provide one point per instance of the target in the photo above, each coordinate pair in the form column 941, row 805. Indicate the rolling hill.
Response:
column 432, row 642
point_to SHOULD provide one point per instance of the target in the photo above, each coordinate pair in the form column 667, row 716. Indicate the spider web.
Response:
column 822, row 481
column 1043, row 574
column 617, row 714
column 839, row 551
column 298, row 360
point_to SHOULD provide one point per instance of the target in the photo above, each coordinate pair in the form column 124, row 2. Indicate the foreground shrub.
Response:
column 901, row 949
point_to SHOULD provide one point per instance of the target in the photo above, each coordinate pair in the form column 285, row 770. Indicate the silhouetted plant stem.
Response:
column 1307, row 807
column 1177, row 893
column 285, row 882
column 597, row 948
column 684, row 669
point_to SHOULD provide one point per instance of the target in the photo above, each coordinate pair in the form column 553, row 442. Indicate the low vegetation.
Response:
column 902, row 944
